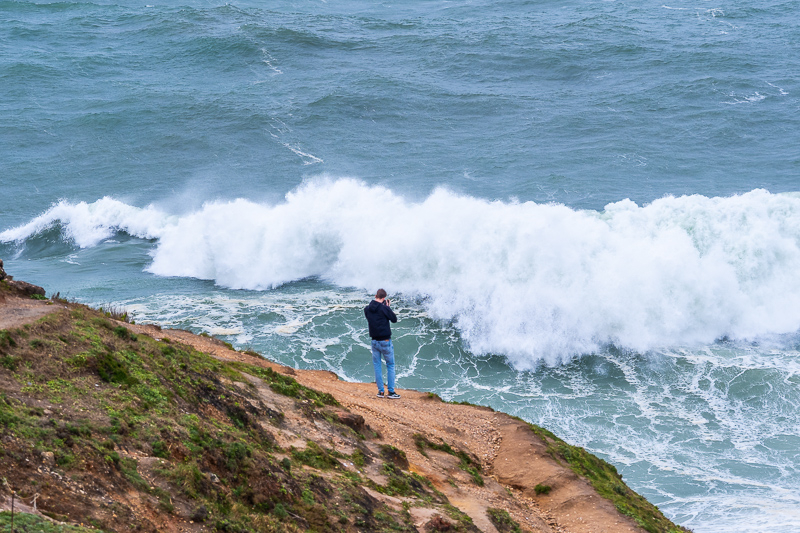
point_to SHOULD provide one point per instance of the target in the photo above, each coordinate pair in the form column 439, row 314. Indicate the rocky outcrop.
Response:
column 25, row 288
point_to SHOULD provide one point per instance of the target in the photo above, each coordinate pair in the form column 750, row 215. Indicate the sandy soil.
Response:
column 15, row 311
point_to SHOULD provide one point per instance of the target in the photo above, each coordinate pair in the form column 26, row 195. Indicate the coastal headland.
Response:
column 114, row 426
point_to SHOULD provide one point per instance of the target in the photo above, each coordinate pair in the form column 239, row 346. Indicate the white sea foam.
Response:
column 89, row 224
column 534, row 282
column 750, row 99
column 308, row 159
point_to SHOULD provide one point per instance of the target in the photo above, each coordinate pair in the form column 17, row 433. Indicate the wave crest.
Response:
column 531, row 281
column 89, row 224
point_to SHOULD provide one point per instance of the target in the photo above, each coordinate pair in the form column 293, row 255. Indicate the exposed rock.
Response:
column 352, row 420
column 395, row 456
column 27, row 289
column 49, row 459
column 200, row 514
column 437, row 523
column 2, row 272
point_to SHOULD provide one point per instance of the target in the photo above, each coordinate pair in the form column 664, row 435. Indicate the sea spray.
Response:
column 535, row 282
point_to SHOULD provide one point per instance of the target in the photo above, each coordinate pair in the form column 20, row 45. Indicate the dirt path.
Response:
column 16, row 311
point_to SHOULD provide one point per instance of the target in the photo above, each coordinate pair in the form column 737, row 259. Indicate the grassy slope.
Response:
column 88, row 400
column 91, row 402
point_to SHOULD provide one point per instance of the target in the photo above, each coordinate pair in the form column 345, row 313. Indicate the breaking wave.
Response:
column 536, row 282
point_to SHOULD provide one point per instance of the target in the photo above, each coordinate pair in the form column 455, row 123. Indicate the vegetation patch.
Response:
column 160, row 449
column 466, row 463
column 607, row 482
column 116, row 313
column 8, row 416
column 395, row 456
column 124, row 333
column 6, row 340
column 112, row 370
column 30, row 522
column 8, row 362
column 359, row 458
column 317, row 457
column 408, row 485
column 463, row 522
column 286, row 385
column 502, row 521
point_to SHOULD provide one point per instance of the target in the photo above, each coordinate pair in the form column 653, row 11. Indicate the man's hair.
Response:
column 380, row 294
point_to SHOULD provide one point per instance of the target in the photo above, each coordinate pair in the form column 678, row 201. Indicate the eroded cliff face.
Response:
column 128, row 427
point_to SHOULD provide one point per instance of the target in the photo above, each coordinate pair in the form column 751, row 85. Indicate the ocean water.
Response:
column 587, row 214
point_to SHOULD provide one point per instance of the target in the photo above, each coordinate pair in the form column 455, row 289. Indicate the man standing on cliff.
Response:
column 379, row 314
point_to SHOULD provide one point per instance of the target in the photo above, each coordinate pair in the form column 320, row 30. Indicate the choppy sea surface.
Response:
column 587, row 213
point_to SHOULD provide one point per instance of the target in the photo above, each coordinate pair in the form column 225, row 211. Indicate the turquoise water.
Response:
column 588, row 213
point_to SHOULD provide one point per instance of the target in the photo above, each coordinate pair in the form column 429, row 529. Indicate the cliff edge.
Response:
column 112, row 426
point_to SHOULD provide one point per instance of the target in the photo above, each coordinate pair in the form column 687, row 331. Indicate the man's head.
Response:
column 380, row 295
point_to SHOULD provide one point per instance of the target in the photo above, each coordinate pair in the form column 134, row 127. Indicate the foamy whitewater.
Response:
column 525, row 280
column 586, row 214
column 663, row 336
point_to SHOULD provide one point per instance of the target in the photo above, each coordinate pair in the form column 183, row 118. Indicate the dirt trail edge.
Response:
column 16, row 311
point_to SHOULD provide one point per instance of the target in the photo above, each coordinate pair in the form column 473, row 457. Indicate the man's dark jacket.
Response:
column 378, row 316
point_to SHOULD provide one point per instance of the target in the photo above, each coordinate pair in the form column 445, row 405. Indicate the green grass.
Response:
column 6, row 340
column 317, row 457
column 112, row 370
column 394, row 455
column 9, row 363
column 607, row 482
column 462, row 519
column 24, row 522
column 286, row 385
column 407, row 485
column 502, row 521
column 8, row 414
column 466, row 463
column 358, row 458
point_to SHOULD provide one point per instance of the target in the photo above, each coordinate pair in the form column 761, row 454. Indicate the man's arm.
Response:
column 389, row 313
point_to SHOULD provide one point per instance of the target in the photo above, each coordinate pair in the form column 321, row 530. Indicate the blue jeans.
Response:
column 385, row 349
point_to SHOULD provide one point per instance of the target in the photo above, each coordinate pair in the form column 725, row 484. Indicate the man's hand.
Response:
column 387, row 301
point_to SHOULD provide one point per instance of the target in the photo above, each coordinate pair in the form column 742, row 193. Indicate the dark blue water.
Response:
column 588, row 211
